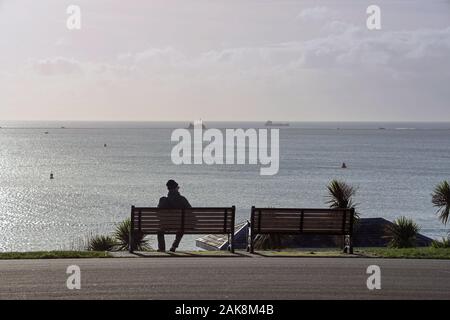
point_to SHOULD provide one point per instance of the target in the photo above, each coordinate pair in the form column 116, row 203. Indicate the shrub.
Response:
column 101, row 243
column 444, row 243
column 122, row 236
column 404, row 233
column 441, row 200
column 340, row 195
column 269, row 241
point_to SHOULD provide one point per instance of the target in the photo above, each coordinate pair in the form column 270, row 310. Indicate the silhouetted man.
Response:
column 174, row 200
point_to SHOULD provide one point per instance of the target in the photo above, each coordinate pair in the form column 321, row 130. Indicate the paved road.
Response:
column 225, row 278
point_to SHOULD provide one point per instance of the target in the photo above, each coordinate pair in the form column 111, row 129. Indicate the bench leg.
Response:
column 130, row 244
column 348, row 246
column 250, row 239
column 231, row 243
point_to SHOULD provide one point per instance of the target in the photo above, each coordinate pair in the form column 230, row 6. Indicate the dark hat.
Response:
column 171, row 184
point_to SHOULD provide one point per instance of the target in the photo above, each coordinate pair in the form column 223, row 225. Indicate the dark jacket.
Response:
column 174, row 200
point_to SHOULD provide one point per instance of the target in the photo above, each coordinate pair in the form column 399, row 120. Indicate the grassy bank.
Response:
column 302, row 253
column 388, row 253
column 53, row 255
column 406, row 253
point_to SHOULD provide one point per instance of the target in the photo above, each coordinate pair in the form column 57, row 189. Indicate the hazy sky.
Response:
column 225, row 60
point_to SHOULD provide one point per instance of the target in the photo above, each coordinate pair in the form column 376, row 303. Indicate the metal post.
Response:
column 251, row 233
column 130, row 244
column 231, row 241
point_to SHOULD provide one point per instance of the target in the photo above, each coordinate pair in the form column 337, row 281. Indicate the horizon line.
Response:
column 237, row 121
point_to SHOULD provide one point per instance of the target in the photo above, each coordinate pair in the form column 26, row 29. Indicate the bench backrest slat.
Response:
column 217, row 220
column 302, row 220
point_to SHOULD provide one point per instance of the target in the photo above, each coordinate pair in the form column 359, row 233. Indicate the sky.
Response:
column 224, row 60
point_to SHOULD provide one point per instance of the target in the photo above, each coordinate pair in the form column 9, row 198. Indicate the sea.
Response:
column 394, row 166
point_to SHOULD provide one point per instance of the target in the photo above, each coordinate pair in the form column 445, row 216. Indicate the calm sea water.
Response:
column 395, row 170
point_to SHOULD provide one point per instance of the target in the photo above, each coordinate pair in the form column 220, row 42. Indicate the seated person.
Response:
column 174, row 200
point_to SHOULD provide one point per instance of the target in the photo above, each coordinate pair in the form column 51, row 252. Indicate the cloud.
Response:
column 348, row 48
column 62, row 66
column 63, row 42
column 56, row 66
column 424, row 50
column 154, row 56
column 315, row 14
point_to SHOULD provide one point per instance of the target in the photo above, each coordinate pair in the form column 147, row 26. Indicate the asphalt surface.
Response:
column 225, row 278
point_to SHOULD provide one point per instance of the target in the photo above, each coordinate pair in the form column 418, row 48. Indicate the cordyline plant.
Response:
column 340, row 195
column 404, row 233
column 441, row 200
column 122, row 236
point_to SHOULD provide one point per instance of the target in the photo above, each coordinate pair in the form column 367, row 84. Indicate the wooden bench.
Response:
column 292, row 221
column 219, row 220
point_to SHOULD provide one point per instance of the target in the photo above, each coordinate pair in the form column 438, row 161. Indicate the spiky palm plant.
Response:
column 101, row 243
column 122, row 236
column 340, row 195
column 441, row 200
column 444, row 243
column 404, row 233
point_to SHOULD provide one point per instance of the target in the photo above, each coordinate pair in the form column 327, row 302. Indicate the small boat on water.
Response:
column 51, row 176
column 270, row 123
column 344, row 165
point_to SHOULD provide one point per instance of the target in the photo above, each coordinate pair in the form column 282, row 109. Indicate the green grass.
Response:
column 211, row 253
column 193, row 253
column 393, row 253
column 53, row 255
column 406, row 253
column 301, row 253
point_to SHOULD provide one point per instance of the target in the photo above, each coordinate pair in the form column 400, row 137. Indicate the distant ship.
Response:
column 276, row 124
column 191, row 126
